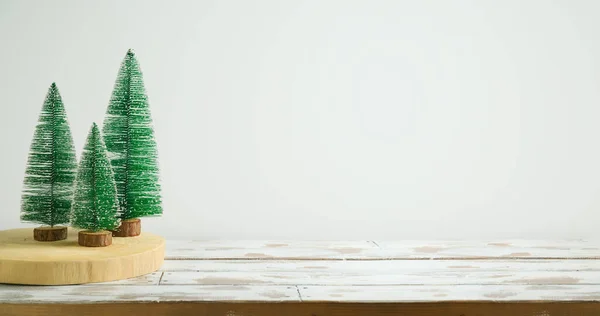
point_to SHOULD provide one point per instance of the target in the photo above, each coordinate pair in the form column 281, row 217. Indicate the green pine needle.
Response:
column 95, row 206
column 51, row 166
column 129, row 138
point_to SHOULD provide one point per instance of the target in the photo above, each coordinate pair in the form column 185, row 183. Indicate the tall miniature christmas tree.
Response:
column 95, row 205
column 129, row 138
column 50, row 172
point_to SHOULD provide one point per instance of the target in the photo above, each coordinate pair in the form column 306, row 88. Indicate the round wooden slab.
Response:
column 26, row 261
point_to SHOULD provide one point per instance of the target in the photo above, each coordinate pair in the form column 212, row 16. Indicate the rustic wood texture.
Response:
column 381, row 250
column 129, row 228
column 358, row 267
column 533, row 278
column 308, row 309
column 94, row 239
column 122, row 293
column 383, row 278
column 26, row 261
column 50, row 233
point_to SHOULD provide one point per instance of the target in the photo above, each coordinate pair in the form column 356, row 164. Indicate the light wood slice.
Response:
column 26, row 261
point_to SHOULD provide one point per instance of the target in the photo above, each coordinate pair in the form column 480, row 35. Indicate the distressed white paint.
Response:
column 349, row 271
column 266, row 293
column 381, row 250
column 526, row 249
column 380, row 266
column 307, row 250
column 138, row 293
column 382, row 278
column 148, row 279
column 434, row 293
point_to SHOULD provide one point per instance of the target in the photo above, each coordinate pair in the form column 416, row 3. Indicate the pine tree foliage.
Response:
column 51, row 166
column 129, row 138
column 95, row 206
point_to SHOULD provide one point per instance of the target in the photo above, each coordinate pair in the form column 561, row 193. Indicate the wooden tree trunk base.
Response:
column 102, row 238
column 129, row 228
column 50, row 233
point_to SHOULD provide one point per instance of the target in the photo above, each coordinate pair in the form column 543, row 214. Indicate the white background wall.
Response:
column 336, row 119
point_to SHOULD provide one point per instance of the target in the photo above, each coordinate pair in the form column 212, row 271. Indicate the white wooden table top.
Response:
column 349, row 271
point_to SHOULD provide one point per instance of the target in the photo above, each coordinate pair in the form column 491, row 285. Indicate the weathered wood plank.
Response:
column 379, row 266
column 381, row 250
column 265, row 293
column 348, row 272
column 381, row 278
column 506, row 249
column 441, row 293
column 136, row 293
column 150, row 279
column 321, row 268
column 261, row 250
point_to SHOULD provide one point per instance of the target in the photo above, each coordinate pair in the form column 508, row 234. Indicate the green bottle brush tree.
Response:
column 129, row 139
column 95, row 205
column 50, row 172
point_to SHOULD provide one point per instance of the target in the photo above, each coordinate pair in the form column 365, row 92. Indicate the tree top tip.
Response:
column 130, row 52
column 95, row 129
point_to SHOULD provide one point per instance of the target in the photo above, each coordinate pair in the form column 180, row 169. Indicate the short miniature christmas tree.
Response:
column 129, row 138
column 51, row 167
column 95, row 205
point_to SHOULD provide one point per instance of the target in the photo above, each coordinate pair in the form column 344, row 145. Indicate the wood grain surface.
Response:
column 429, row 278
column 26, row 261
column 308, row 309
column 50, row 233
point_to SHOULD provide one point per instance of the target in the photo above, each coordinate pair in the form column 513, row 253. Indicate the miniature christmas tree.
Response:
column 50, row 172
column 95, row 205
column 129, row 138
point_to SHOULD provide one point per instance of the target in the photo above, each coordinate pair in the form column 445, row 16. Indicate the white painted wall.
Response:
column 337, row 119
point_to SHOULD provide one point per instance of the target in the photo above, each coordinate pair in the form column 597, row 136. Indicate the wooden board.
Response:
column 269, row 250
column 70, row 294
column 376, row 267
column 455, row 293
column 241, row 308
column 382, row 278
column 380, row 250
column 429, row 278
column 26, row 261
